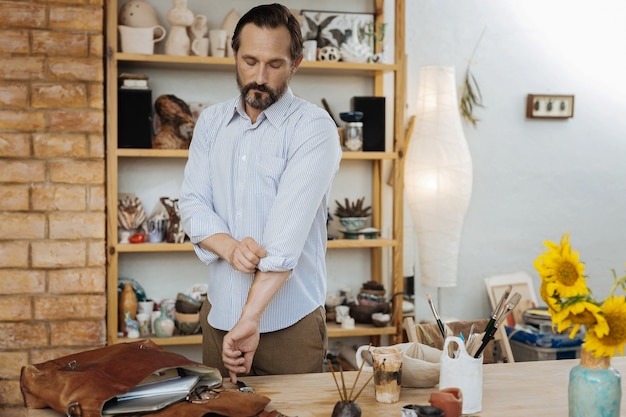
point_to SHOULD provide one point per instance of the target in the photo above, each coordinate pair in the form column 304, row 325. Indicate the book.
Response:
column 133, row 81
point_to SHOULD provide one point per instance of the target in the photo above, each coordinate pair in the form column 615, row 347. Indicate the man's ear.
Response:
column 296, row 64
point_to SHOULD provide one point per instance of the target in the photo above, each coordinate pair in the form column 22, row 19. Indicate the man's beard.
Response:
column 256, row 100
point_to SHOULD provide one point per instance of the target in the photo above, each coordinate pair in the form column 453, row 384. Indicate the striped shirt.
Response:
column 270, row 181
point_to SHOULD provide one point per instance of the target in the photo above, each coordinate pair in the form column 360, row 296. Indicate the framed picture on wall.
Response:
column 550, row 106
column 329, row 28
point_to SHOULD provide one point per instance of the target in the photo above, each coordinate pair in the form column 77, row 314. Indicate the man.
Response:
column 254, row 203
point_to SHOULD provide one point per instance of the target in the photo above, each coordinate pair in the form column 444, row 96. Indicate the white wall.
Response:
column 533, row 179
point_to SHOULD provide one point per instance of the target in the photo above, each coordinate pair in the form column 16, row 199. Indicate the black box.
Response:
column 134, row 118
column 373, row 109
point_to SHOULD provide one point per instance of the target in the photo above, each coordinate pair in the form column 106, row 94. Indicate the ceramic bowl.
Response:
column 381, row 319
column 187, row 323
column 186, row 304
column 352, row 224
column 351, row 116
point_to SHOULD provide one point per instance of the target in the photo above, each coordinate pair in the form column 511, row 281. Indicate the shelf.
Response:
column 367, row 156
column 361, row 243
column 335, row 330
column 183, row 153
column 151, row 153
column 195, row 339
column 188, row 247
column 153, row 247
column 221, row 64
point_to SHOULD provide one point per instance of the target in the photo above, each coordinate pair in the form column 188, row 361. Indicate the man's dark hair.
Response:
column 271, row 16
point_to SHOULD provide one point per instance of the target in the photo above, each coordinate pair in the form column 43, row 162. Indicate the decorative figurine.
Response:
column 199, row 28
column 177, row 123
column 175, row 232
column 179, row 17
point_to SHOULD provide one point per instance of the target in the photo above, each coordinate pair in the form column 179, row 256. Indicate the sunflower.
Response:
column 552, row 300
column 608, row 344
column 581, row 311
column 559, row 267
column 571, row 305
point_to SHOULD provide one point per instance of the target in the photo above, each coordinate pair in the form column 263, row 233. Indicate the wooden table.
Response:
column 520, row 389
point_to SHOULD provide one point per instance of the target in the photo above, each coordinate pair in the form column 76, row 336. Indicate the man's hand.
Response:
column 239, row 347
column 245, row 255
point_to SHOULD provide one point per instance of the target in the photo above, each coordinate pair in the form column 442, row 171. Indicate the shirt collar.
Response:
column 275, row 113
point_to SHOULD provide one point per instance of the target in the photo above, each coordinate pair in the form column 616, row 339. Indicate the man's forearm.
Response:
column 264, row 288
column 219, row 243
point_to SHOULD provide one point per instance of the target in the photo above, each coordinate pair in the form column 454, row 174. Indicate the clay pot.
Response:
column 450, row 400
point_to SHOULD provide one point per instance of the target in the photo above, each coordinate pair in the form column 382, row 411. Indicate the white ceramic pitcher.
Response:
column 140, row 40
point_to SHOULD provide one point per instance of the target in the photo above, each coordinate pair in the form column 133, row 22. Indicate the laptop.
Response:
column 141, row 404
column 151, row 397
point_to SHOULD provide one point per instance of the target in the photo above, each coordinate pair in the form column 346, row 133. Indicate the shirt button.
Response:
column 243, row 158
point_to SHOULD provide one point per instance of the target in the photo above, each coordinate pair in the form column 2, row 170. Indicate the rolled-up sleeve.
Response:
column 198, row 217
column 311, row 165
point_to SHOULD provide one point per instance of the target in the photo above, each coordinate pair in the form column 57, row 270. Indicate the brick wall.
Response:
column 52, row 191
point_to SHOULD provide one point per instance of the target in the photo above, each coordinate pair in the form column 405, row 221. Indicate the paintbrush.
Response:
column 496, row 311
column 437, row 319
column 510, row 306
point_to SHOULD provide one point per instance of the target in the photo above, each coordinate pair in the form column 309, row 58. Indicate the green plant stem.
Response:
column 617, row 282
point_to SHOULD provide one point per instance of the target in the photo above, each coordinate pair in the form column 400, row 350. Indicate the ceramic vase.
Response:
column 127, row 303
column 595, row 388
column 163, row 326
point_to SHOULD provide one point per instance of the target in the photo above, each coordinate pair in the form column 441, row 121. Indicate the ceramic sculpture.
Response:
column 138, row 13
column 179, row 18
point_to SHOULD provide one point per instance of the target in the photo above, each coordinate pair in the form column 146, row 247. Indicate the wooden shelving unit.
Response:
column 373, row 71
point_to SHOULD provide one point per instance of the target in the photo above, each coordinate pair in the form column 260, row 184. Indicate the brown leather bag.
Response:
column 80, row 384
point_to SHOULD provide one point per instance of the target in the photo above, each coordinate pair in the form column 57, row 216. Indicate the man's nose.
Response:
column 261, row 75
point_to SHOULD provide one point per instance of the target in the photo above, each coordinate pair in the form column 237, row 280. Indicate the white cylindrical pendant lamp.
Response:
column 438, row 176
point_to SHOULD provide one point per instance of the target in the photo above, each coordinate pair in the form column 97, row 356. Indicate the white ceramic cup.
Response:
column 145, row 307
column 217, row 38
column 200, row 46
column 140, row 40
column 310, row 50
column 341, row 312
column 145, row 324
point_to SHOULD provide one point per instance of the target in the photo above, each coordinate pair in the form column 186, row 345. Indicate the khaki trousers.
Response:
column 300, row 348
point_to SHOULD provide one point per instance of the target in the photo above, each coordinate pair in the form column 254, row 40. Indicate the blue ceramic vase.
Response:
column 163, row 326
column 595, row 389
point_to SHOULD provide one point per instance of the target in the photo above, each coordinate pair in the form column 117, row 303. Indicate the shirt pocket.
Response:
column 269, row 169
